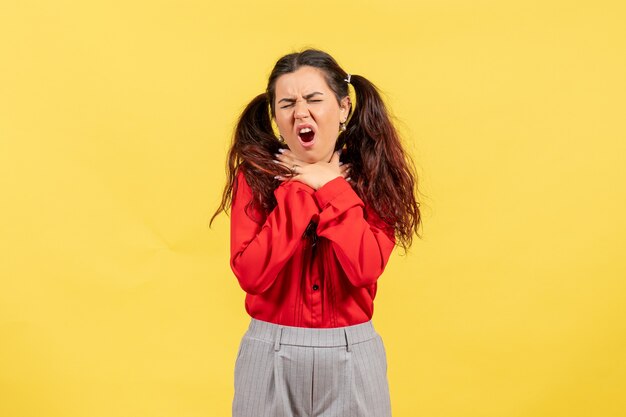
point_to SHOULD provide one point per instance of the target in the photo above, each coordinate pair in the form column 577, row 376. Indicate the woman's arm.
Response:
column 259, row 251
column 361, row 241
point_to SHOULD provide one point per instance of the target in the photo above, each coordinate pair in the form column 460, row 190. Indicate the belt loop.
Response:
column 279, row 335
column 348, row 341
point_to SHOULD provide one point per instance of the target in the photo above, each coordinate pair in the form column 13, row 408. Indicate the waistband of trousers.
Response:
column 311, row 337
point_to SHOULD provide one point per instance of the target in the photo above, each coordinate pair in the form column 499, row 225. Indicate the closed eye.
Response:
column 289, row 105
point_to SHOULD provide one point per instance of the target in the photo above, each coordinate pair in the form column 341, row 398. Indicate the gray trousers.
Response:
column 284, row 371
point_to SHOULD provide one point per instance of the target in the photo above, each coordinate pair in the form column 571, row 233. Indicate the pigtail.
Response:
column 383, row 173
column 251, row 151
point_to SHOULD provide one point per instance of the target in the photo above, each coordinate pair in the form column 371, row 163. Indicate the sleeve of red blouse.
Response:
column 259, row 251
column 361, row 241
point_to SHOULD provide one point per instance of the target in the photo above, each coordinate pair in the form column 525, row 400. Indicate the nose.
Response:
column 301, row 109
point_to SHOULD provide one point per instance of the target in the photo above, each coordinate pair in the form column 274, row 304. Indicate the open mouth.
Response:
column 306, row 135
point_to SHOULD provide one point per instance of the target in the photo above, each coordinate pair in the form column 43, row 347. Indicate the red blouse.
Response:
column 292, row 282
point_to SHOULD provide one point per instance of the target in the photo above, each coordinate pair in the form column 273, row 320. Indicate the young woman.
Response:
column 315, row 215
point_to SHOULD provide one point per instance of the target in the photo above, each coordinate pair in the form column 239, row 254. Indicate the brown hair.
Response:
column 383, row 174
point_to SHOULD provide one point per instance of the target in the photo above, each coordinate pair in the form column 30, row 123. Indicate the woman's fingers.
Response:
column 287, row 157
column 345, row 169
column 311, row 173
column 292, row 166
column 282, row 163
column 285, row 161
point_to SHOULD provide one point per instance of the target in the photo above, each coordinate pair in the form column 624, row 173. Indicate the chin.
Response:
column 313, row 156
column 307, row 157
column 313, row 159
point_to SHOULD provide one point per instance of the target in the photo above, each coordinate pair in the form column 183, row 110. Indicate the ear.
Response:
column 344, row 107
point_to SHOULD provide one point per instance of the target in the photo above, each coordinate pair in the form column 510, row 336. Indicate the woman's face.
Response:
column 303, row 100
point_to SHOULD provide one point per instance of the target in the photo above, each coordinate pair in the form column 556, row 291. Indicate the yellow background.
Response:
column 116, row 299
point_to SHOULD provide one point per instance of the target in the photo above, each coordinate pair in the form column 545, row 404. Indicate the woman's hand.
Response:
column 315, row 175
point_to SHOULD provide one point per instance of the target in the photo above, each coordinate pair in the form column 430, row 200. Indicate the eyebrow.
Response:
column 308, row 96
